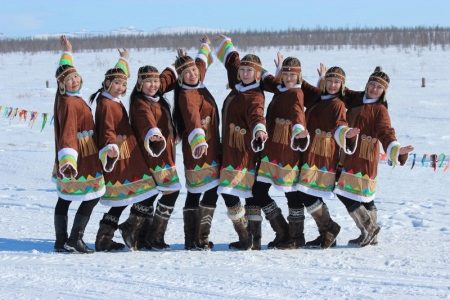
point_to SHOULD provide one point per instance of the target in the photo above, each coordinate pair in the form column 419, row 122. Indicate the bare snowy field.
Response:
column 412, row 260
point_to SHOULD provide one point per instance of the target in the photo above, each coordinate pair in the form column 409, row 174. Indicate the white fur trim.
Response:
column 390, row 148
column 131, row 200
column 352, row 196
column 105, row 161
column 241, row 88
column 150, row 133
column 258, row 127
column 240, row 214
column 314, row 192
column 234, row 192
column 194, row 133
column 343, row 143
column 294, row 128
column 232, row 49
column 70, row 152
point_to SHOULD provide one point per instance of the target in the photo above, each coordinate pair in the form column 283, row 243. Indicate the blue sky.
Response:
column 22, row 18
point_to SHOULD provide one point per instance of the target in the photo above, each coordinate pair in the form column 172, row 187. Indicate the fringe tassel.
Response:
column 86, row 143
column 366, row 150
column 206, row 124
column 322, row 143
column 281, row 131
column 236, row 138
column 123, row 147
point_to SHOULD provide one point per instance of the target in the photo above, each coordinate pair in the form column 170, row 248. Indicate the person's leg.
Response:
column 75, row 241
column 190, row 218
column 206, row 213
column 108, row 225
column 328, row 229
column 131, row 228
column 236, row 213
column 272, row 212
column 60, row 223
column 163, row 211
column 296, row 219
column 373, row 211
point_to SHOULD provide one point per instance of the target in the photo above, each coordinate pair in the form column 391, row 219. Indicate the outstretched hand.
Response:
column 200, row 151
column 302, row 134
column 405, row 150
column 322, row 70
column 205, row 39
column 352, row 133
column 279, row 60
column 124, row 53
column 65, row 43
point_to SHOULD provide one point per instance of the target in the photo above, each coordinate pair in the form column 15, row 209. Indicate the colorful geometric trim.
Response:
column 165, row 175
column 204, row 53
column 81, row 186
column 237, row 178
column 279, row 174
column 123, row 190
column 66, row 59
column 357, row 183
column 202, row 175
column 225, row 48
column 319, row 179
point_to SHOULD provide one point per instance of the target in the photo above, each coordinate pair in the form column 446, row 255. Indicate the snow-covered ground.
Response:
column 412, row 260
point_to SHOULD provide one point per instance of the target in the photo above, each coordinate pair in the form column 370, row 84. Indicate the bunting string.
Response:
column 24, row 115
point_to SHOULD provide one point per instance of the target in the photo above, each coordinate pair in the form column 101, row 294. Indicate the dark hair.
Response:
column 176, row 115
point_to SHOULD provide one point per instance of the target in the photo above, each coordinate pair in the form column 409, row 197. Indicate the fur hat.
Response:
column 145, row 73
column 253, row 61
column 182, row 63
column 338, row 73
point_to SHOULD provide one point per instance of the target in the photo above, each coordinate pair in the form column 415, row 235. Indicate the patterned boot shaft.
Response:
column 254, row 218
column 104, row 240
column 159, row 227
column 206, row 215
column 278, row 224
column 131, row 227
column 240, row 224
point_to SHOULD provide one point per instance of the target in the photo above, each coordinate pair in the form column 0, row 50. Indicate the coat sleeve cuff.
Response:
column 341, row 140
column 225, row 48
column 295, row 143
column 66, row 59
column 393, row 152
column 67, row 157
column 150, row 146
column 204, row 53
column 108, row 163
column 196, row 139
column 256, row 147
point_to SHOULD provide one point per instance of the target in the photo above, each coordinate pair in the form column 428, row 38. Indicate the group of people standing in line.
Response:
column 313, row 143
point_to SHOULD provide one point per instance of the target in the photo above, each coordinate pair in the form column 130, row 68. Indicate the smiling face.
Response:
column 333, row 85
column 289, row 79
column 118, row 87
column 374, row 90
column 73, row 82
column 190, row 75
column 247, row 74
column 151, row 86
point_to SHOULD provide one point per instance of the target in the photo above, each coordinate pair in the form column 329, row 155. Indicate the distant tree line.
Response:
column 319, row 38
